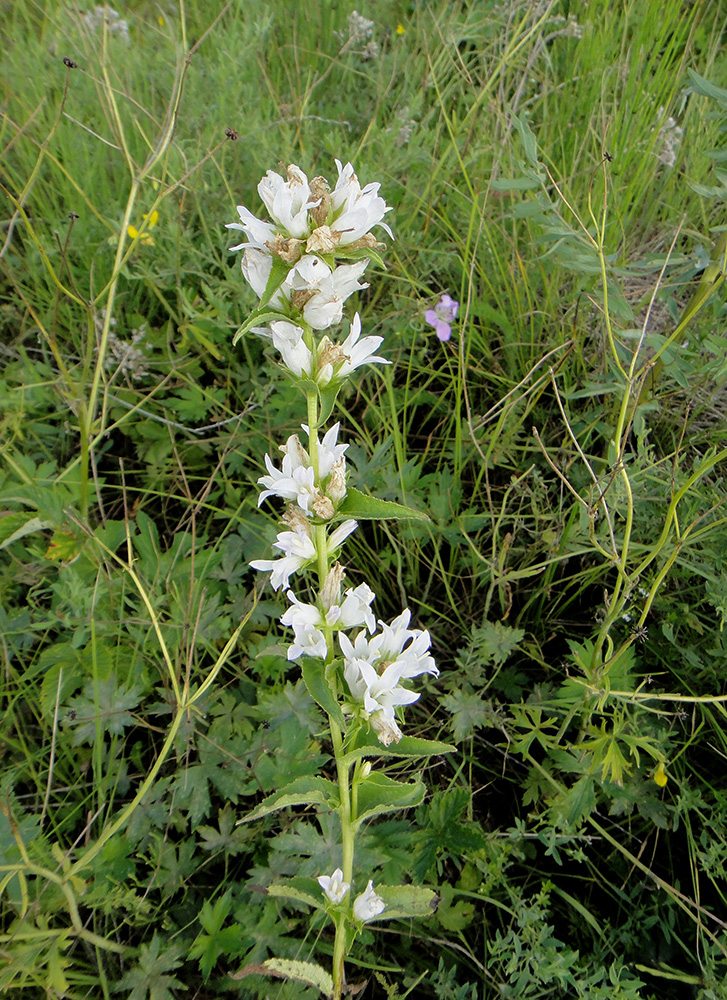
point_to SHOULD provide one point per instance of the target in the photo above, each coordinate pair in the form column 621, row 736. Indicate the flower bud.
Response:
column 295, row 451
column 331, row 590
column 320, row 189
column 322, row 240
column 290, row 250
column 337, row 482
column 323, row 507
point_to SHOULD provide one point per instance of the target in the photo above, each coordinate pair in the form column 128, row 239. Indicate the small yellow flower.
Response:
column 660, row 775
column 143, row 234
column 160, row 19
column 400, row 29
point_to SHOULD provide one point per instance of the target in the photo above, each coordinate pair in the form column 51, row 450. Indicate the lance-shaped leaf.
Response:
column 365, row 508
column 327, row 397
column 300, row 889
column 288, row 968
column 406, row 901
column 261, row 317
column 366, row 745
column 319, row 689
column 380, row 794
column 307, row 790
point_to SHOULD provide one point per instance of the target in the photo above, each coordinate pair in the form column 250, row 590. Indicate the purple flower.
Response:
column 442, row 315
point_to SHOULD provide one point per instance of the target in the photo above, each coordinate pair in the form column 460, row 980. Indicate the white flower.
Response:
column 341, row 533
column 256, row 266
column 329, row 453
column 354, row 610
column 295, row 481
column 395, row 646
column 304, row 619
column 320, row 292
column 334, row 886
column 374, row 668
column 288, row 201
column 356, row 211
column 325, row 307
column 258, row 233
column 358, row 352
column 368, row 905
column 378, row 692
column 288, row 339
column 298, row 549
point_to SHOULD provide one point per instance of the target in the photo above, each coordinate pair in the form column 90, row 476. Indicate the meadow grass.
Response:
column 556, row 168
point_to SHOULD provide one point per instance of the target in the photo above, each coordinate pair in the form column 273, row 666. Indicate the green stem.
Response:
column 347, row 838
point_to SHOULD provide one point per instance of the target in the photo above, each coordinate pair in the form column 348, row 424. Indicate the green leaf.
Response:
column 379, row 794
column 328, row 397
column 320, row 690
column 15, row 526
column 217, row 941
column 707, row 89
column 302, row 890
column 287, row 968
column 530, row 144
column 406, row 901
column 469, row 712
column 306, row 791
column 147, row 979
column 365, row 508
column 366, row 745
column 577, row 802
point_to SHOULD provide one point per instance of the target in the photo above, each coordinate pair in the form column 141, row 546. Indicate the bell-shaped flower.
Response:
column 304, row 619
column 354, row 610
column 338, row 536
column 407, row 647
column 298, row 550
column 258, row 233
column 325, row 307
column 288, row 339
column 296, row 479
column 329, row 452
column 368, row 905
column 355, row 211
column 395, row 645
column 379, row 693
column 358, row 352
column 288, row 201
column 334, row 886
column 256, row 267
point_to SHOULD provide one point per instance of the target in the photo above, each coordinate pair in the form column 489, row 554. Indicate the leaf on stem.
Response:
column 379, row 794
column 286, row 968
column 302, row 890
column 365, row 508
column 308, row 790
column 366, row 745
column 406, row 901
column 320, row 690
